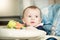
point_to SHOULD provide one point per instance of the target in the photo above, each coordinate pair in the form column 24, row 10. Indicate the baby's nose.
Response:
column 32, row 18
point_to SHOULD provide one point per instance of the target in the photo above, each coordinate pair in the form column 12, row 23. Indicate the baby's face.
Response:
column 32, row 17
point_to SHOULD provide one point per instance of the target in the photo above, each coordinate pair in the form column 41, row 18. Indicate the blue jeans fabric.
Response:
column 48, row 19
column 51, row 18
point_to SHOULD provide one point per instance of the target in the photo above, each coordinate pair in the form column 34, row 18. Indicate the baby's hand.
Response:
column 31, row 28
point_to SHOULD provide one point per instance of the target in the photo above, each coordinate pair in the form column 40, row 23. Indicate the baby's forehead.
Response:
column 32, row 11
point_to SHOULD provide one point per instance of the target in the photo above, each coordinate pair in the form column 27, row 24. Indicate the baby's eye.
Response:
column 29, row 16
column 36, row 16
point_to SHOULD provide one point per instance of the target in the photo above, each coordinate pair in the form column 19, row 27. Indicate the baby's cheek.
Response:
column 28, row 23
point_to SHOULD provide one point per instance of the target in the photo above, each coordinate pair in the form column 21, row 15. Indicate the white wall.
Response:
column 41, row 3
column 9, row 7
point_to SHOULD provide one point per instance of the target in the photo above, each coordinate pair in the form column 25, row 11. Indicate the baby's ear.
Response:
column 41, row 20
column 23, row 20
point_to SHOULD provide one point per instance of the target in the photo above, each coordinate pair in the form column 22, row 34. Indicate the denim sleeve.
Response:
column 52, row 17
column 56, row 21
column 48, row 24
column 57, row 31
column 48, row 17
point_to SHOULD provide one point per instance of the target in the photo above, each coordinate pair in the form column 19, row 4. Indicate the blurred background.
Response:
column 12, row 9
column 15, row 7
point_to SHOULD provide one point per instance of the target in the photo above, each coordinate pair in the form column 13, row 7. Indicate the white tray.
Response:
column 15, row 33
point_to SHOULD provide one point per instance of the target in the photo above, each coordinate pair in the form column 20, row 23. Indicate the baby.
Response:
column 32, row 18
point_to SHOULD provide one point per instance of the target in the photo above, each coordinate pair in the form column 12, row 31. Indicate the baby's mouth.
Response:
column 32, row 22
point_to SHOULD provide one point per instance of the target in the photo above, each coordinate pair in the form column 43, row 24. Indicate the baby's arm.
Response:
column 31, row 28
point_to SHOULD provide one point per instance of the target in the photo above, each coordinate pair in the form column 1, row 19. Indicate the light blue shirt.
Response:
column 47, row 17
column 51, row 17
column 57, row 19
